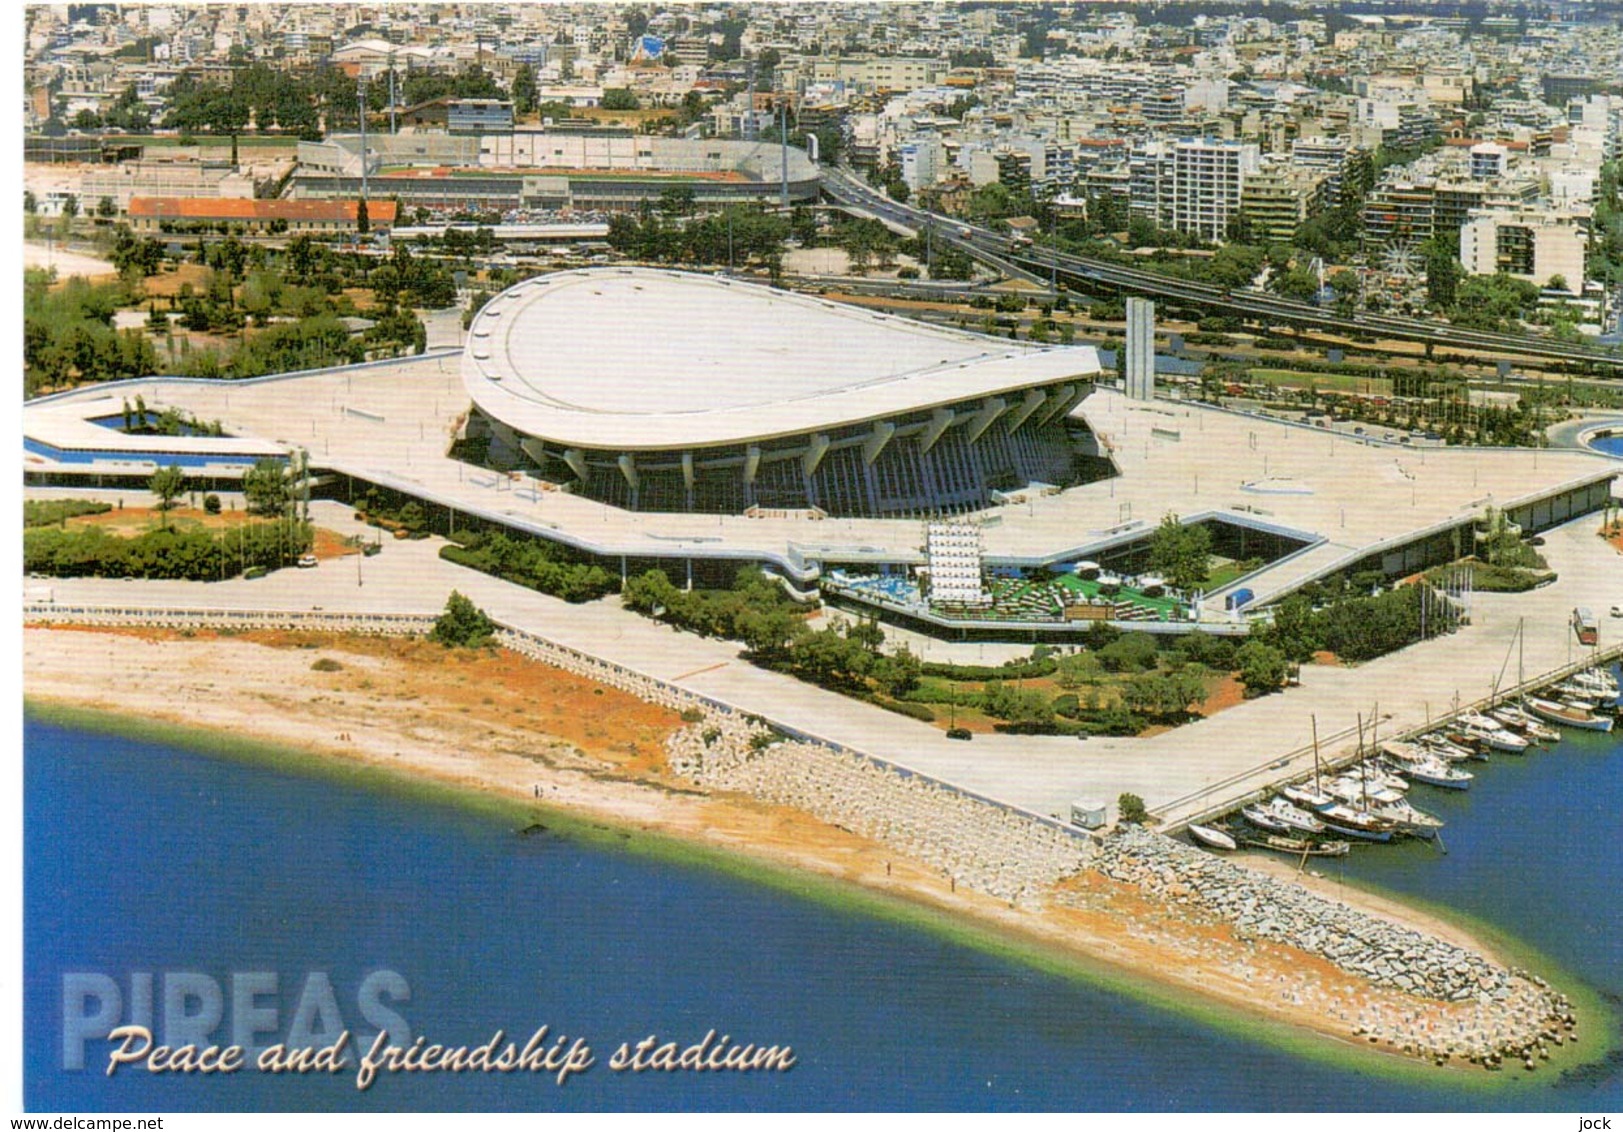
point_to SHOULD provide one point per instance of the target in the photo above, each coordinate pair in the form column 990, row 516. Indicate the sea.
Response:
column 209, row 894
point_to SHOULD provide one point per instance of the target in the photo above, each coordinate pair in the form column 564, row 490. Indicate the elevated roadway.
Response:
column 1038, row 264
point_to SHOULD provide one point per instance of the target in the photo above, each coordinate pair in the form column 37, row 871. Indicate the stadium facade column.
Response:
column 990, row 411
column 940, row 421
column 752, row 465
column 576, row 459
column 1034, row 400
column 1058, row 399
column 816, row 449
column 877, row 439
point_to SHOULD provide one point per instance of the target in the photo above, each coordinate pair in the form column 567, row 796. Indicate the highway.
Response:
column 1092, row 274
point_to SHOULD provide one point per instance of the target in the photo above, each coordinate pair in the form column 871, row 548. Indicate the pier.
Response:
column 1258, row 783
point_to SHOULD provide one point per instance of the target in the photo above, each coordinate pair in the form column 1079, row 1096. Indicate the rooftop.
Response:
column 638, row 359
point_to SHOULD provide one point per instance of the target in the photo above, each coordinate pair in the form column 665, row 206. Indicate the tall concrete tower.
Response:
column 1138, row 368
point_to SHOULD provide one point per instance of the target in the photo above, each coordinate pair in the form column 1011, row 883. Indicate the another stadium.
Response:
column 666, row 391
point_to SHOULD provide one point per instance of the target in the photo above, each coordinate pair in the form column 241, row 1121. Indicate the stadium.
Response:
column 559, row 168
column 656, row 390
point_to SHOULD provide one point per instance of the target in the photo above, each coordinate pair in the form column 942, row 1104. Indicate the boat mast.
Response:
column 1363, row 767
column 1315, row 722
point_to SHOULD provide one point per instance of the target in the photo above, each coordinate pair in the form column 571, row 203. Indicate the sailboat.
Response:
column 1212, row 838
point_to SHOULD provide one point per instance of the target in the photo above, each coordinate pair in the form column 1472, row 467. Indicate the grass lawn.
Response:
column 1334, row 382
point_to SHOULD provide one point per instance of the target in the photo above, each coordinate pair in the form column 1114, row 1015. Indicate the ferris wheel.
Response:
column 1401, row 259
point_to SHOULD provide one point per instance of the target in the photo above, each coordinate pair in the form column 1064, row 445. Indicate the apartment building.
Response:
column 1532, row 244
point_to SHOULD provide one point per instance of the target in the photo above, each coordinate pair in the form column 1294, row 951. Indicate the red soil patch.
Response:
column 1225, row 694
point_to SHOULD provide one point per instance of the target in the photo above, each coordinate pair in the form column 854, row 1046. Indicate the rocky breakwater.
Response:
column 1484, row 1013
column 976, row 844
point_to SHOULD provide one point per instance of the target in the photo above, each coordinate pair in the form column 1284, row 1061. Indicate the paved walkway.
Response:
column 1040, row 773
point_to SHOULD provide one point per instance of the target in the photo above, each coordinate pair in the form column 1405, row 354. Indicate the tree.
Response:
column 1262, row 668
column 898, row 674
column 1130, row 809
column 619, row 98
column 167, row 484
column 524, row 90
column 265, row 487
column 463, row 624
column 1443, row 274
column 107, row 208
column 1181, row 553
column 363, row 219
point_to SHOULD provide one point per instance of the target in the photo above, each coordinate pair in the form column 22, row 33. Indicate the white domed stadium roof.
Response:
column 643, row 359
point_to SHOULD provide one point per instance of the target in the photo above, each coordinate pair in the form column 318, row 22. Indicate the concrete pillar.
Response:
column 628, row 469
column 1058, row 399
column 1034, row 400
column 1139, row 351
column 687, row 470
column 990, row 411
column 940, row 421
column 576, row 459
column 875, row 444
column 816, row 449
column 752, row 464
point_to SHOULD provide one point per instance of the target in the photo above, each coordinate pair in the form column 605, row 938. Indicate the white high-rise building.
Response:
column 1207, row 177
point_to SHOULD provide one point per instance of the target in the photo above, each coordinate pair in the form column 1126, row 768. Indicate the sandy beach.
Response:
column 493, row 721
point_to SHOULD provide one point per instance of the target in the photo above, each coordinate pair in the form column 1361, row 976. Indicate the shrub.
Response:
column 48, row 512
column 692, row 715
column 1133, row 652
column 326, row 664
column 901, row 707
column 211, row 504
column 1130, row 808
column 463, row 624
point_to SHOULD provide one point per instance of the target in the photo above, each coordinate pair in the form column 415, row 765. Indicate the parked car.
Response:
column 307, row 561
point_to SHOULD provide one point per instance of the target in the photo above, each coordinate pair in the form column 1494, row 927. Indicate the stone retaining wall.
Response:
column 989, row 849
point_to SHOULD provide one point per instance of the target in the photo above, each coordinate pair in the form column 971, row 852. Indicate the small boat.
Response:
column 1495, row 737
column 1598, row 682
column 1576, row 694
column 1293, row 817
column 1437, row 747
column 1435, row 772
column 1568, row 715
column 1262, row 819
column 1344, row 819
column 1297, row 847
column 1409, row 818
column 1384, row 803
column 1212, row 838
column 1306, row 797
column 1512, row 716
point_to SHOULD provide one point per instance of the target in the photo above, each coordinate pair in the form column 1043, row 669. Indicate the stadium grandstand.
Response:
column 601, row 168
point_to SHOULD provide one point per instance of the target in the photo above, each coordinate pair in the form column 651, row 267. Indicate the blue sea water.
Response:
column 147, row 857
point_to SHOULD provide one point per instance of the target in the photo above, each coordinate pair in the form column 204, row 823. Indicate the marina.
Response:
column 1366, row 800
